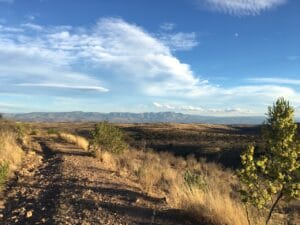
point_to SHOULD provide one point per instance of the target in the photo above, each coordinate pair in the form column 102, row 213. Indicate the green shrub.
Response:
column 34, row 132
column 194, row 180
column 52, row 131
column 21, row 130
column 4, row 168
column 107, row 137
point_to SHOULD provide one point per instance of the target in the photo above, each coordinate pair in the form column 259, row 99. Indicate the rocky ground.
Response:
column 61, row 184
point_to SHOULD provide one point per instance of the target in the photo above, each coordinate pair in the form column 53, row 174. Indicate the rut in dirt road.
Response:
column 33, row 199
column 71, row 187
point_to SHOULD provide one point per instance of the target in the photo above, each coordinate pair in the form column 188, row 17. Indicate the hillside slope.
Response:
column 70, row 187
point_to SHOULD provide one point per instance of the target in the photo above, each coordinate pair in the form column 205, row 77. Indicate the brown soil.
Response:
column 69, row 186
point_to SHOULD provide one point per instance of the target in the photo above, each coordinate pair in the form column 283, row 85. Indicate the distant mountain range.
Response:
column 120, row 117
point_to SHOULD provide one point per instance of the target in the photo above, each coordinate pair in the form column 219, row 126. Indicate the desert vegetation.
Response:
column 200, row 188
column 274, row 174
column 78, row 140
column 12, row 137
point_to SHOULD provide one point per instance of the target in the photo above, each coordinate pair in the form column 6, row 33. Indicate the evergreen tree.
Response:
column 275, row 173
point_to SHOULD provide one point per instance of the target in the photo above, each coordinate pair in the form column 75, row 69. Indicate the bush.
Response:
column 107, row 137
column 52, row 131
column 4, row 169
column 192, row 179
column 21, row 130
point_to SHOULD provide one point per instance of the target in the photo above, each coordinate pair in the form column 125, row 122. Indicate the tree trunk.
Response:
column 273, row 206
column 247, row 213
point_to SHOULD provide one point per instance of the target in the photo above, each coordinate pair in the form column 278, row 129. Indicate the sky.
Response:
column 207, row 57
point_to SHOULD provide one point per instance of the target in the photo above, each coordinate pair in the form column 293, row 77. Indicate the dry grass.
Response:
column 10, row 152
column 75, row 139
column 211, row 204
column 162, row 174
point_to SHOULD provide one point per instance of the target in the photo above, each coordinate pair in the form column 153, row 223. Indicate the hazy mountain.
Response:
column 118, row 117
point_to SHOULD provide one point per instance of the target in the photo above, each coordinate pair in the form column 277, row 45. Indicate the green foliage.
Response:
column 107, row 137
column 194, row 180
column 273, row 175
column 34, row 132
column 4, row 168
column 52, row 131
column 21, row 130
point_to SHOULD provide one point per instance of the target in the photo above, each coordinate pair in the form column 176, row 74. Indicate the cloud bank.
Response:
column 241, row 7
column 117, row 58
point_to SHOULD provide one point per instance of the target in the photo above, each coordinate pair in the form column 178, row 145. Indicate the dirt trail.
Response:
column 70, row 187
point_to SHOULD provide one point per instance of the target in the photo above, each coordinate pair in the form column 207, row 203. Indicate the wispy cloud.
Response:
column 117, row 56
column 11, row 29
column 274, row 80
column 241, row 7
column 179, row 41
column 32, row 26
column 197, row 109
column 64, row 86
column 167, row 26
column 30, row 17
column 167, row 106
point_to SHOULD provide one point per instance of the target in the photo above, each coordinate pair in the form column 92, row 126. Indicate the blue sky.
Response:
column 209, row 57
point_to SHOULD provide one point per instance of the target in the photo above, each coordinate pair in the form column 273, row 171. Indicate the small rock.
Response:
column 29, row 214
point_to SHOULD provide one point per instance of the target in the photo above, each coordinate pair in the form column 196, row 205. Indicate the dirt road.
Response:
column 70, row 187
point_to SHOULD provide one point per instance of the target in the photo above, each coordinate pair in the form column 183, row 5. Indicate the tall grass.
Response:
column 204, row 190
column 210, row 197
column 10, row 151
column 4, row 169
column 75, row 139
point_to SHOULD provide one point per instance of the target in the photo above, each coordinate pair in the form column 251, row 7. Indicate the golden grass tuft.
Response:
column 10, row 152
column 75, row 139
column 162, row 174
column 211, row 204
column 108, row 160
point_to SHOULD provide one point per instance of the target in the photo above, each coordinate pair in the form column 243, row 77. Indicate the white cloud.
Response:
column 242, row 7
column 11, row 29
column 197, row 109
column 163, row 106
column 27, row 59
column 179, row 41
column 167, row 26
column 32, row 26
column 30, row 17
column 188, row 108
column 65, row 86
column 275, row 80
column 118, row 56
column 262, row 90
